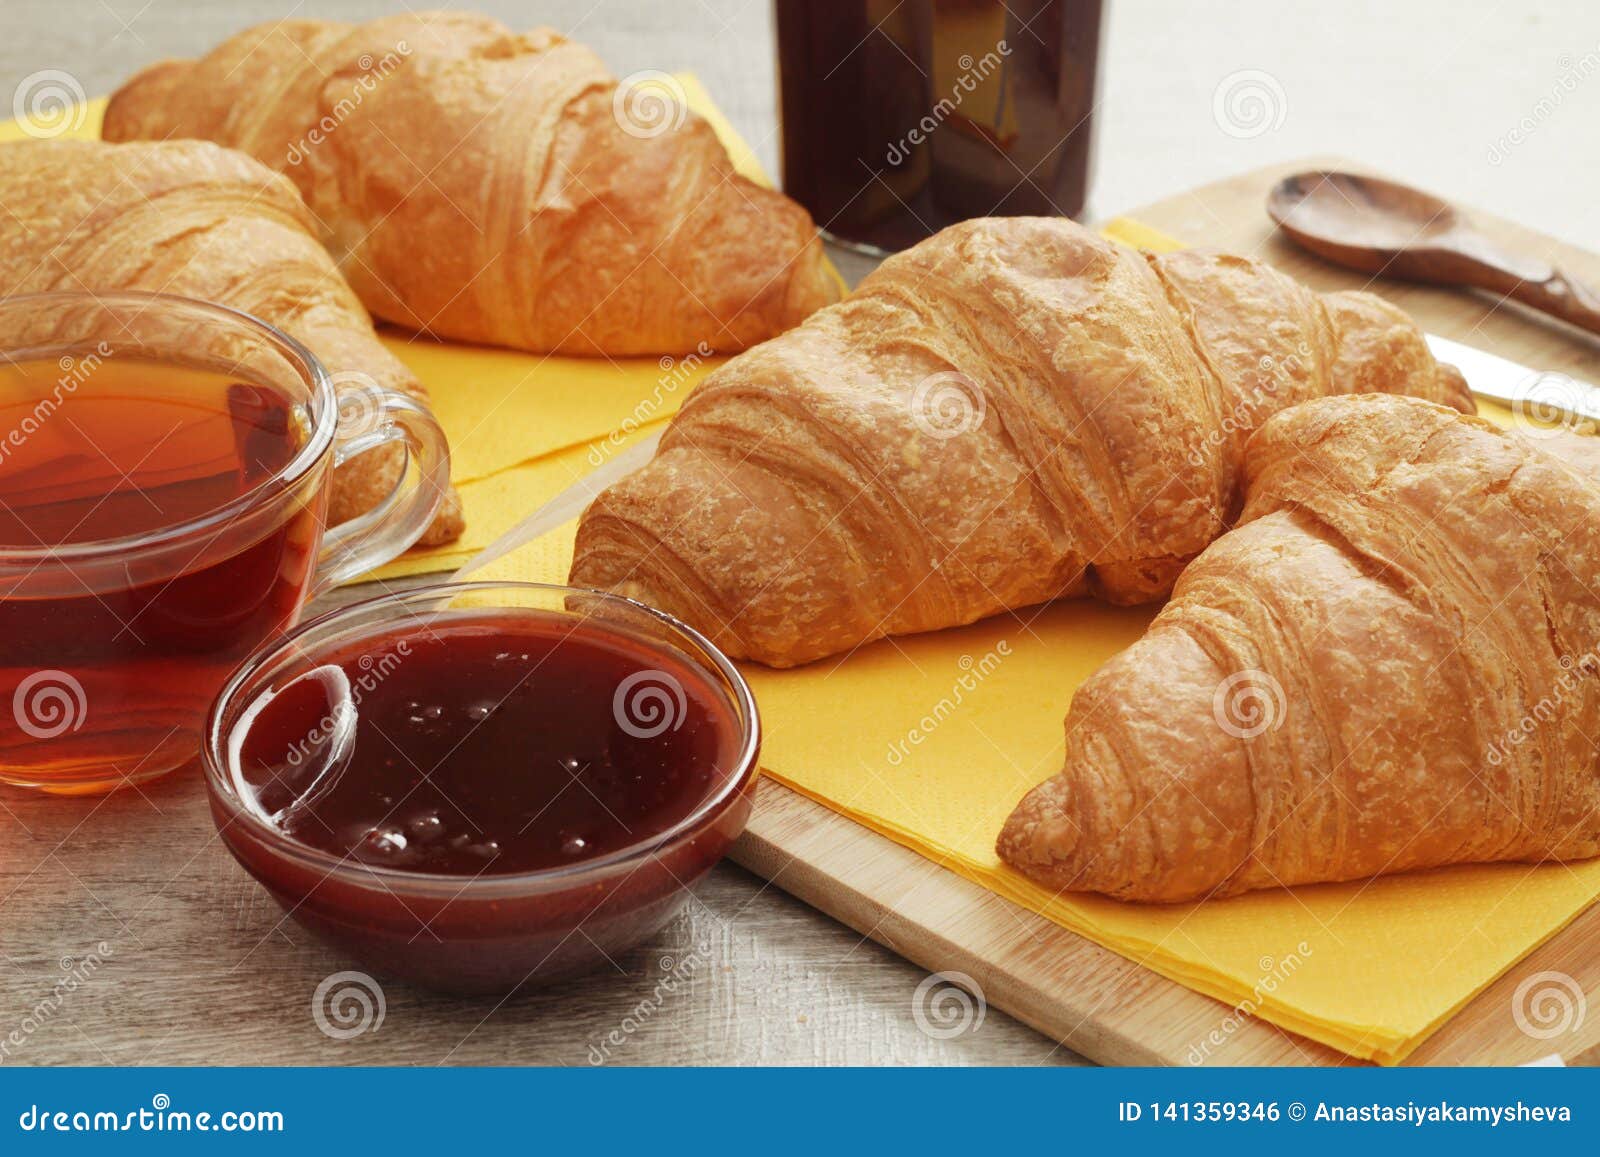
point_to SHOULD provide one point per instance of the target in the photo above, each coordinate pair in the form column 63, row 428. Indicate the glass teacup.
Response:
column 165, row 466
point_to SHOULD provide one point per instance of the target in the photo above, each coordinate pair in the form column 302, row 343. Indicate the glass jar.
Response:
column 901, row 118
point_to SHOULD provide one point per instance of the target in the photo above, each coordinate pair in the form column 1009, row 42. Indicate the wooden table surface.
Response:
column 775, row 982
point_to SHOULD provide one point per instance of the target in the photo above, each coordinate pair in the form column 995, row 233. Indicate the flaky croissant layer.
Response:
column 193, row 219
column 489, row 187
column 1013, row 411
column 1393, row 663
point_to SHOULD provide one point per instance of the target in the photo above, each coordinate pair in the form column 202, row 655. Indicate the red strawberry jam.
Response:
column 478, row 799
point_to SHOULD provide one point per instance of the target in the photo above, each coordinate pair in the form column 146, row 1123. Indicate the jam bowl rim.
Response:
column 744, row 767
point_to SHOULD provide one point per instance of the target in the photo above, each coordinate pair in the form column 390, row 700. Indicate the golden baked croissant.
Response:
column 497, row 188
column 193, row 219
column 1391, row 664
column 1013, row 411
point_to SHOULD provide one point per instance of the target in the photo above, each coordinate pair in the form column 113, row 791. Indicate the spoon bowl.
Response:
column 1383, row 227
column 1367, row 221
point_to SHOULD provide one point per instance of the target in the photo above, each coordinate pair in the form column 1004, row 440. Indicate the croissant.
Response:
column 1013, row 411
column 496, row 188
column 1390, row 664
column 193, row 219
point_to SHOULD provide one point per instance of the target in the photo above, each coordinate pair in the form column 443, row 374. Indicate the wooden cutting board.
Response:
column 1090, row 999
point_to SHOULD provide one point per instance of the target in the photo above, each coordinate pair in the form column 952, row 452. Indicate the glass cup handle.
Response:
column 370, row 417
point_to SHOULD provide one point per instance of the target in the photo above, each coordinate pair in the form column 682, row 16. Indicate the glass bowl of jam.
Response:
column 473, row 786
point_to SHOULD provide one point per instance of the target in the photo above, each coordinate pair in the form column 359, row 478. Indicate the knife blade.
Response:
column 564, row 507
column 1542, row 396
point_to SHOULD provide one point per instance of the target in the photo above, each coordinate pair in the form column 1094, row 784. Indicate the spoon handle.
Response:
column 1532, row 283
column 1562, row 296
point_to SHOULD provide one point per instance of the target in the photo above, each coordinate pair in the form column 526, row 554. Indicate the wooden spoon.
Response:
column 1377, row 226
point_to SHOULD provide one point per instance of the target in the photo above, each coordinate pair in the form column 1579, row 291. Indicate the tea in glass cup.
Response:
column 164, row 476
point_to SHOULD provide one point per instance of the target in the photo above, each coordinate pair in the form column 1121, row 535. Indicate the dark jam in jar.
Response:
column 486, row 745
column 520, row 786
column 902, row 118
